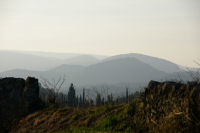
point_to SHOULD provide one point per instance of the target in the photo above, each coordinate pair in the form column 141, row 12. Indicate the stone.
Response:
column 18, row 97
column 169, row 99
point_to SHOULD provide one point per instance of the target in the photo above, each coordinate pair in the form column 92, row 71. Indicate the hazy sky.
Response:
column 168, row 29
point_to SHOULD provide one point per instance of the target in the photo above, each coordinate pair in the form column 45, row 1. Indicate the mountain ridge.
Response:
column 127, row 70
column 120, row 69
column 158, row 63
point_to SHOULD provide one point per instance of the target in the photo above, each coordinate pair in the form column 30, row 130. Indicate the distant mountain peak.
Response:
column 158, row 63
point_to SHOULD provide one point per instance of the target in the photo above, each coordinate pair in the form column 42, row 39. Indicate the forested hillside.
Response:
column 162, row 107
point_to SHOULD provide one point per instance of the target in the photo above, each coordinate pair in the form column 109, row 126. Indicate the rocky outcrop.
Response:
column 18, row 97
column 171, row 107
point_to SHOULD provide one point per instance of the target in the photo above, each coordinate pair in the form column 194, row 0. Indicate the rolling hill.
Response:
column 125, row 70
column 41, row 61
column 158, row 63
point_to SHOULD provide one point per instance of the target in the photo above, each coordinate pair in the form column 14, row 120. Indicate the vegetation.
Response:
column 162, row 107
column 54, row 96
column 107, row 118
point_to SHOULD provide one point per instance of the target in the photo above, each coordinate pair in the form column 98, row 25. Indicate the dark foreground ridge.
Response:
column 162, row 107
column 171, row 107
column 18, row 97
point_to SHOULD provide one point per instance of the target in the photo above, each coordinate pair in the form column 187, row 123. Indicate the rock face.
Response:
column 18, row 97
column 170, row 106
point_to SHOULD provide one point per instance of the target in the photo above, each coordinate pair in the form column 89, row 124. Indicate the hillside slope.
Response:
column 125, row 70
column 163, row 107
column 157, row 63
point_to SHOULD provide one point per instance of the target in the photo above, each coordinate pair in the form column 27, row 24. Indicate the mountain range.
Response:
column 123, row 70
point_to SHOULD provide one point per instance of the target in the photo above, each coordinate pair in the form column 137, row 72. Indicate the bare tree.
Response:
column 53, row 88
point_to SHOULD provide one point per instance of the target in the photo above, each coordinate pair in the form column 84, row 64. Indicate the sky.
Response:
column 168, row 29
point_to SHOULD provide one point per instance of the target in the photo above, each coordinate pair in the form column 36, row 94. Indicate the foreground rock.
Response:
column 18, row 97
column 171, row 107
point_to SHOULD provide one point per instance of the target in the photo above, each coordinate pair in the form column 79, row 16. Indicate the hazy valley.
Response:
column 120, row 71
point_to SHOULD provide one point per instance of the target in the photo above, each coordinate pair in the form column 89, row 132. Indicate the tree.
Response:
column 83, row 102
column 98, row 99
column 127, row 100
column 53, row 87
column 71, row 96
column 110, row 99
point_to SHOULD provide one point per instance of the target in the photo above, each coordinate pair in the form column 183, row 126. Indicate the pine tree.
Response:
column 127, row 100
column 98, row 100
column 83, row 102
column 71, row 96
column 110, row 99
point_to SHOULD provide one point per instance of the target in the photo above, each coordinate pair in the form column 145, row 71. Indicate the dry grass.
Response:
column 103, row 119
column 61, row 119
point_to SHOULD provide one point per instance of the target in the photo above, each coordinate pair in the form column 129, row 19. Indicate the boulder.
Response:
column 176, row 105
column 18, row 97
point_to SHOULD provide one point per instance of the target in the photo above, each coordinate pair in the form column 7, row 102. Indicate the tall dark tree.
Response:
column 102, row 101
column 83, row 102
column 127, row 100
column 71, row 96
column 98, row 100
column 110, row 99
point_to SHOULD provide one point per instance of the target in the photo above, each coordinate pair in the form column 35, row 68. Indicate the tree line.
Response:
column 53, row 96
